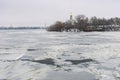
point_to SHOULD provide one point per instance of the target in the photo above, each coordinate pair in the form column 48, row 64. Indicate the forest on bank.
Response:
column 83, row 23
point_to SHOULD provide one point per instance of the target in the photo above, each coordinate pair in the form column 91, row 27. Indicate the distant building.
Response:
column 71, row 20
column 70, row 24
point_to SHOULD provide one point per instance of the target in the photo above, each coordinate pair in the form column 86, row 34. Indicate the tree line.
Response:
column 83, row 23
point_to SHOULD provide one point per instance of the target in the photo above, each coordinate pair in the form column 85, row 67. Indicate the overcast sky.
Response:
column 40, row 12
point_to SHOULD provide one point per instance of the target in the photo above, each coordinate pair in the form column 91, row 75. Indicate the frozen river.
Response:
column 41, row 55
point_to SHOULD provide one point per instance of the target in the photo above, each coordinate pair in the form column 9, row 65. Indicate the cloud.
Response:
column 39, row 12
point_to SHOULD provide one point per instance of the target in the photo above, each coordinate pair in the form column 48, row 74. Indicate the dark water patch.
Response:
column 75, row 62
column 5, row 48
column 68, row 70
column 85, row 44
column 58, row 66
column 48, row 61
column 11, row 60
column 85, row 64
column 32, row 49
column 8, row 60
column 79, row 53
column 25, row 60
column 65, row 54
column 59, row 58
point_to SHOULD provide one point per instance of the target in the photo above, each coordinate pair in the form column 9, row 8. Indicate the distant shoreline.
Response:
column 83, row 23
column 20, row 28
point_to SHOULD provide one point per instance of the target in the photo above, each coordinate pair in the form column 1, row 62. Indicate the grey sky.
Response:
column 40, row 12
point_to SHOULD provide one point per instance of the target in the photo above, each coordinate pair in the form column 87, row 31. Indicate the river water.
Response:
column 42, row 55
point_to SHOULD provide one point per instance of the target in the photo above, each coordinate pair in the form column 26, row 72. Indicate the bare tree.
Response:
column 58, row 26
column 81, row 22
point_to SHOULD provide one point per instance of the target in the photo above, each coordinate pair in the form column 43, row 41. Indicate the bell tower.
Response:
column 71, row 17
